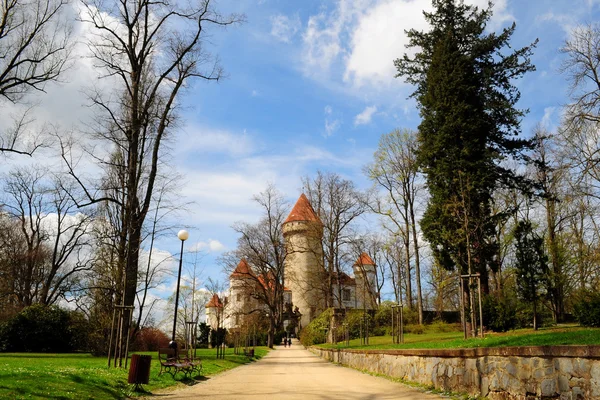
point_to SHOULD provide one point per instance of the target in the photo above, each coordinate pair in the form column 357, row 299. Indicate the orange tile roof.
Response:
column 214, row 302
column 345, row 280
column 242, row 269
column 303, row 211
column 364, row 259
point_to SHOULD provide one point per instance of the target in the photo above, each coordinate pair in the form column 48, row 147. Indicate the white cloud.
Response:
column 365, row 117
column 331, row 125
column 203, row 140
column 284, row 28
column 211, row 245
column 566, row 21
column 365, row 36
column 550, row 117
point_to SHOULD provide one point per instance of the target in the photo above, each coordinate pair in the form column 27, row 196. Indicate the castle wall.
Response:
column 507, row 373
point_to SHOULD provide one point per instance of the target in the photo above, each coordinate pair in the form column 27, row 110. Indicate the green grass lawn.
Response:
column 559, row 335
column 82, row 376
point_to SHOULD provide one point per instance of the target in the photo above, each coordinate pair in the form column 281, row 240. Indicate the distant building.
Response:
column 304, row 277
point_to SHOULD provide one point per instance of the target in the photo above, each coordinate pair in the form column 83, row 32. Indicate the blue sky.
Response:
column 311, row 86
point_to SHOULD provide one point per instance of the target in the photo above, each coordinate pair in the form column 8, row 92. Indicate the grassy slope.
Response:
column 562, row 335
column 81, row 376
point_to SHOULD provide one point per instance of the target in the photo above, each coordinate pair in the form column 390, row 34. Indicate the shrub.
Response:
column 314, row 333
column 499, row 313
column 40, row 328
column 443, row 327
column 383, row 316
column 410, row 316
column 203, row 333
column 378, row 331
column 150, row 339
column 524, row 316
column 587, row 309
column 414, row 328
column 218, row 336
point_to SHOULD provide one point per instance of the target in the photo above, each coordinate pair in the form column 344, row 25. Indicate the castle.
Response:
column 303, row 278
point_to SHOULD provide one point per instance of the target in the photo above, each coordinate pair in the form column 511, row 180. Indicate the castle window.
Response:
column 346, row 295
column 238, row 297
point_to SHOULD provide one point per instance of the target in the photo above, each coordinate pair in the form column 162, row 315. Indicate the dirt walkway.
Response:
column 295, row 373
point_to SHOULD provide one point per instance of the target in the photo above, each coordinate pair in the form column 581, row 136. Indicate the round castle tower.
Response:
column 240, row 284
column 365, row 276
column 303, row 231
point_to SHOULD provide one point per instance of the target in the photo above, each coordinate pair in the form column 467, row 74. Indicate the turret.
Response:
column 214, row 312
column 241, row 283
column 365, row 276
column 303, row 231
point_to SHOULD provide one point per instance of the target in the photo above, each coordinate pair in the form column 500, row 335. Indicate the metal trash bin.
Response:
column 139, row 369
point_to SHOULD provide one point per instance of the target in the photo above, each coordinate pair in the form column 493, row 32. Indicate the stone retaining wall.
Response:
column 515, row 373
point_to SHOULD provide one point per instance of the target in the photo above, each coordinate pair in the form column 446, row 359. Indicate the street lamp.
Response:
column 183, row 236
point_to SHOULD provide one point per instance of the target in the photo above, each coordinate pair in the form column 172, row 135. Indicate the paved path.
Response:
column 295, row 373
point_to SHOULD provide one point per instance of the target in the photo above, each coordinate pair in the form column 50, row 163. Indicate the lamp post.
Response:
column 183, row 236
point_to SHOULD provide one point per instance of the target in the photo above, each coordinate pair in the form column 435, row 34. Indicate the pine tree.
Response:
column 531, row 266
column 469, row 125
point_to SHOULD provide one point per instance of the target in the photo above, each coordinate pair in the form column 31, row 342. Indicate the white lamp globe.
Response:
column 183, row 235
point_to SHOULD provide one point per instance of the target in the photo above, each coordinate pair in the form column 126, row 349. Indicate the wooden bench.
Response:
column 187, row 356
column 171, row 363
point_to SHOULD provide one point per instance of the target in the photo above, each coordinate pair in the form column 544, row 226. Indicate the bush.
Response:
column 218, row 336
column 42, row 329
column 314, row 333
column 414, row 328
column 150, row 339
column 378, row 331
column 587, row 309
column 410, row 316
column 443, row 327
column 499, row 313
column 383, row 316
column 203, row 333
column 524, row 316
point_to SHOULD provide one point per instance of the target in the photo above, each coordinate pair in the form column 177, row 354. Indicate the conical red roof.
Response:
column 242, row 269
column 214, row 302
column 303, row 211
column 364, row 259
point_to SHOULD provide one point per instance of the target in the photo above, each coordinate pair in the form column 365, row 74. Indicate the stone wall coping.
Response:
column 524, row 351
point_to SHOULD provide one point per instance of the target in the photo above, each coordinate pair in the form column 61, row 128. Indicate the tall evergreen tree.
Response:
column 469, row 125
column 531, row 266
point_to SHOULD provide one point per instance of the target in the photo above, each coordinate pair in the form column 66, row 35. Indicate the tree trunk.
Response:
column 271, row 334
column 417, row 261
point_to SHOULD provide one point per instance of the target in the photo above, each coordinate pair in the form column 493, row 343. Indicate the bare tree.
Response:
column 550, row 175
column 394, row 170
column 153, row 274
column 35, row 44
column 338, row 204
column 582, row 67
column 150, row 51
column 263, row 247
column 56, row 237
